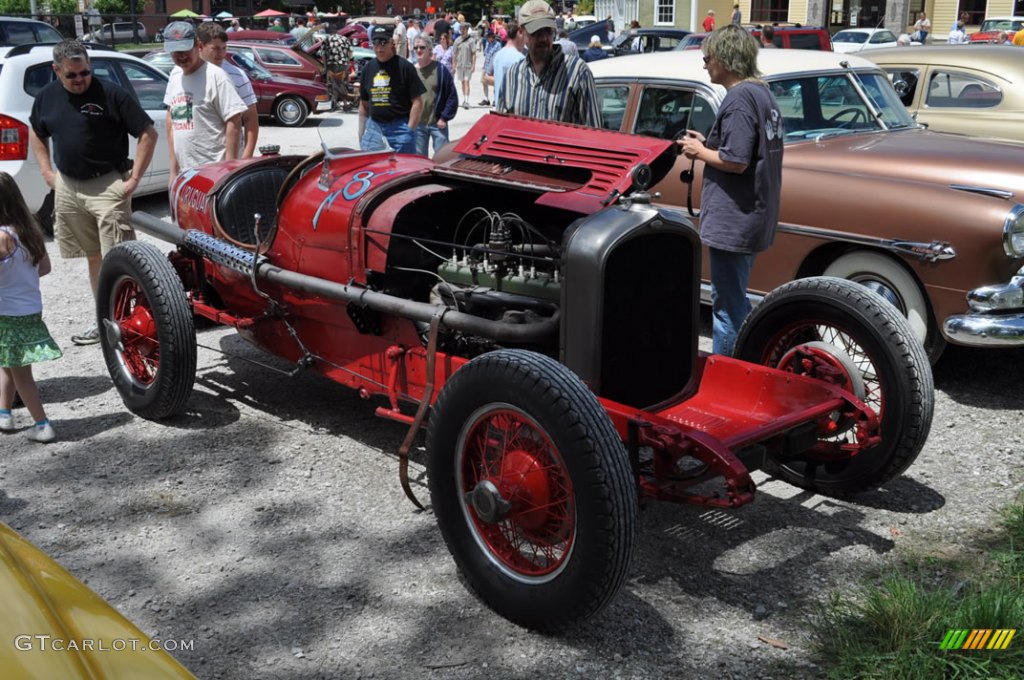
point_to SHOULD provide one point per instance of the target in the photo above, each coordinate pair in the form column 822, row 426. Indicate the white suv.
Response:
column 121, row 31
column 17, row 31
column 26, row 69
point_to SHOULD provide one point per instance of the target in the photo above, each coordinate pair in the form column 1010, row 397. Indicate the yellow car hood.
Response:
column 53, row 626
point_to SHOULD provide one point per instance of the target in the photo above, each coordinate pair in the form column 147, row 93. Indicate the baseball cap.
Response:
column 179, row 36
column 535, row 15
column 382, row 32
column 595, row 40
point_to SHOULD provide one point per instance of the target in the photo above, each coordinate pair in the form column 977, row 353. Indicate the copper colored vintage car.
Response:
column 931, row 221
column 977, row 92
column 528, row 296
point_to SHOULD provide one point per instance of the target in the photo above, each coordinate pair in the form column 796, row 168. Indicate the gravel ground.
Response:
column 267, row 529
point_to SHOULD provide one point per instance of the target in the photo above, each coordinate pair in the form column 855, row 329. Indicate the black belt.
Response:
column 91, row 175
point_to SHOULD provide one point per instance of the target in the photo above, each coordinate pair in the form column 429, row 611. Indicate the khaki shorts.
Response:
column 91, row 215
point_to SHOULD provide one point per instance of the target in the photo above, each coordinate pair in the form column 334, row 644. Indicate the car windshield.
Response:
column 991, row 25
column 850, row 37
column 828, row 105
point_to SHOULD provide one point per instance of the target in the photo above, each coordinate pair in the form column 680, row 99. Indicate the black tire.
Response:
column 291, row 111
column 896, row 375
column 146, row 330
column 566, row 472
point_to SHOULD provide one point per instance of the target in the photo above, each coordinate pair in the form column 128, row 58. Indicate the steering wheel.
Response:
column 855, row 116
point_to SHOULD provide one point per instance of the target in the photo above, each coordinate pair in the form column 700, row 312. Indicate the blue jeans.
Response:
column 730, row 273
column 426, row 133
column 396, row 133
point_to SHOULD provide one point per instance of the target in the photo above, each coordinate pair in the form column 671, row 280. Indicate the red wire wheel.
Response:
column 850, row 336
column 140, row 355
column 531, row 488
column 146, row 330
column 517, row 494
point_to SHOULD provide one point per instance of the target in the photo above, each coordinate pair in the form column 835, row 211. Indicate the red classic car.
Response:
column 992, row 27
column 288, row 100
column 357, row 34
column 282, row 60
column 530, row 298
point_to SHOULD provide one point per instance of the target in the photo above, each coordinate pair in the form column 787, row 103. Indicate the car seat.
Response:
column 252, row 192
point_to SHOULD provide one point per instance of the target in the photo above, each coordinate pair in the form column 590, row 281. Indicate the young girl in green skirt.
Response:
column 24, row 338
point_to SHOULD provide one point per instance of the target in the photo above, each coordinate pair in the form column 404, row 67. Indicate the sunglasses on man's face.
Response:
column 380, row 41
column 71, row 75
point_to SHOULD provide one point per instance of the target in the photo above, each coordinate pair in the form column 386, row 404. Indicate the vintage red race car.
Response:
column 527, row 296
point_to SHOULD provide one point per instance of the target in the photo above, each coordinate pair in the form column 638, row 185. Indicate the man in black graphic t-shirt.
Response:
column 391, row 99
column 88, row 122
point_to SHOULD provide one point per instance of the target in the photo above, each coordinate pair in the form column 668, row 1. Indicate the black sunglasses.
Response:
column 381, row 41
column 420, row 48
column 706, row 58
column 81, row 74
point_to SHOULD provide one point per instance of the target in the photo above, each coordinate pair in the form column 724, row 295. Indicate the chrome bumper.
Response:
column 996, row 318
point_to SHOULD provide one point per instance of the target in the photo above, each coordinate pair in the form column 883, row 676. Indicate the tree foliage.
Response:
column 15, row 7
column 118, row 7
column 63, row 7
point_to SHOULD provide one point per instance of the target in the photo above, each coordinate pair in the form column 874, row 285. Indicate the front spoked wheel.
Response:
column 532, row 489
column 146, row 330
column 836, row 330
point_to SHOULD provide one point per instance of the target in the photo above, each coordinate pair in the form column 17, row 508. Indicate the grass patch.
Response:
column 892, row 629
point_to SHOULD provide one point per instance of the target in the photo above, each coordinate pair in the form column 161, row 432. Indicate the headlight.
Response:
column 1013, row 232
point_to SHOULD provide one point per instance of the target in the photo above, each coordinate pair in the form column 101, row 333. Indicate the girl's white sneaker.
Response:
column 41, row 434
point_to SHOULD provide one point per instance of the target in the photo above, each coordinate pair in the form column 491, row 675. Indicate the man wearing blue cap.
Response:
column 204, row 111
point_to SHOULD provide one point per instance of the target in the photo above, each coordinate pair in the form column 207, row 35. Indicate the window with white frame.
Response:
column 665, row 13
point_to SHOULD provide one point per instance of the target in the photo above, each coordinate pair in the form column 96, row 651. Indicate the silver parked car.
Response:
column 120, row 32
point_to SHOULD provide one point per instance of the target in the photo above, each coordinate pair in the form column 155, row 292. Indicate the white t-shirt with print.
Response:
column 200, row 104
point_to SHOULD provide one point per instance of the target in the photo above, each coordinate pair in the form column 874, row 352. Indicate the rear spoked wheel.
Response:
column 836, row 330
column 531, row 488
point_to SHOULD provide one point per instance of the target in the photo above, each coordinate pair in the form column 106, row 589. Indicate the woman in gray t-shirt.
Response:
column 742, row 158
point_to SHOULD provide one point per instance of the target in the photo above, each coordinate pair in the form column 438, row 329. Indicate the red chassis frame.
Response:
column 738, row 413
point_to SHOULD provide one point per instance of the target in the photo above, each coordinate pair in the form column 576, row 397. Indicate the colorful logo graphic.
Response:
column 978, row 638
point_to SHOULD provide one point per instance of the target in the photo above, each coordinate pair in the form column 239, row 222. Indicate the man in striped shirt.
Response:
column 548, row 84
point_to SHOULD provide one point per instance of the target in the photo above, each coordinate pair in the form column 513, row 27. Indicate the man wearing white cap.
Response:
column 548, row 84
column 204, row 111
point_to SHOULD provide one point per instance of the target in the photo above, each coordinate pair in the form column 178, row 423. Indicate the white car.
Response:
column 25, row 70
column 121, row 32
column 859, row 39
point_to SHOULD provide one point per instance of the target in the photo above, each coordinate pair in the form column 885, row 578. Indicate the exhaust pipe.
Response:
column 241, row 260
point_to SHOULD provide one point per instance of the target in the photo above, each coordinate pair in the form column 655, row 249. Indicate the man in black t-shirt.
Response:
column 390, row 98
column 88, row 122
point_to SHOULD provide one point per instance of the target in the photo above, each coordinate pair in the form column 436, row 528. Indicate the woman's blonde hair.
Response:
column 735, row 49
